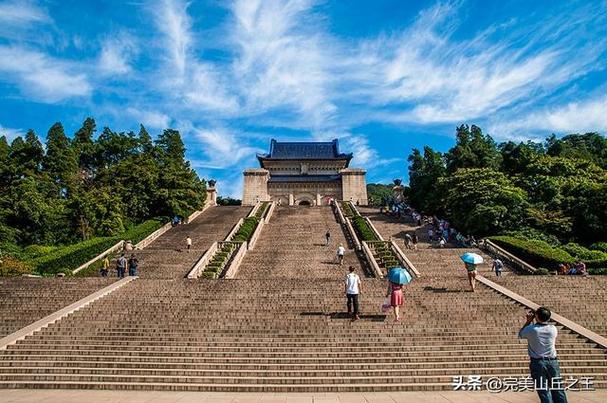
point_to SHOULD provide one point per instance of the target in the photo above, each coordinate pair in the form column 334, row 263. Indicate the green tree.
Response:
column 482, row 201
column 424, row 174
column 473, row 149
column 60, row 163
column 84, row 146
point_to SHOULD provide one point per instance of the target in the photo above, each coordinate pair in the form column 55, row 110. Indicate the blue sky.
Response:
column 382, row 76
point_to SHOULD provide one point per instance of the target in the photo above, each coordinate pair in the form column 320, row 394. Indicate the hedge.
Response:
column 261, row 210
column 602, row 246
column 535, row 252
column 246, row 230
column 70, row 257
column 582, row 253
column 363, row 229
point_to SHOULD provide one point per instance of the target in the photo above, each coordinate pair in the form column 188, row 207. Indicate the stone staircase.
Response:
column 24, row 300
column 292, row 245
column 167, row 257
column 280, row 326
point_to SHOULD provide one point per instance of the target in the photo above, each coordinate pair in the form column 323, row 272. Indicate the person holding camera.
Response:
column 544, row 365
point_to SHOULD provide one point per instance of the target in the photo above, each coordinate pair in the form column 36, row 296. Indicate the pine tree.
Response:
column 60, row 162
column 84, row 146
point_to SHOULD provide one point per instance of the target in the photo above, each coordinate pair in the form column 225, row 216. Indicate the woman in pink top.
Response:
column 395, row 292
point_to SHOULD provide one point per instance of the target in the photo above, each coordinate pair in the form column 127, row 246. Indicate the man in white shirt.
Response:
column 352, row 288
column 188, row 242
column 544, row 366
column 341, row 251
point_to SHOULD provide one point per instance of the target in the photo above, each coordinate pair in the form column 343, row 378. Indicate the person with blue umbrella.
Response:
column 397, row 277
column 471, row 260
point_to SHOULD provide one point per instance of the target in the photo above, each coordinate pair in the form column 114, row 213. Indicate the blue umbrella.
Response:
column 398, row 275
column 472, row 258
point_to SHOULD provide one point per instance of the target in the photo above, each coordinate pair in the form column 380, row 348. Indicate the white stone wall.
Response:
column 255, row 186
column 354, row 185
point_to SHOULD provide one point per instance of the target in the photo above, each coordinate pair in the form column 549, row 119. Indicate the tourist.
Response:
column 341, row 251
column 328, row 237
column 133, row 264
column 582, row 269
column 395, row 292
column 562, row 269
column 105, row 267
column 414, row 240
column 442, row 242
column 188, row 242
column 544, row 365
column 121, row 265
column 430, row 234
column 471, row 269
column 498, row 266
column 473, row 242
column 408, row 241
column 352, row 288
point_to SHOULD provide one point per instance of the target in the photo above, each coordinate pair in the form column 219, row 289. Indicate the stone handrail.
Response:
column 256, row 233
column 355, row 240
column 236, row 260
column 254, row 209
column 340, row 214
column 561, row 320
column 375, row 231
column 235, row 229
column 118, row 246
column 62, row 313
column 508, row 258
column 270, row 211
column 153, row 236
column 372, row 262
column 403, row 259
column 203, row 261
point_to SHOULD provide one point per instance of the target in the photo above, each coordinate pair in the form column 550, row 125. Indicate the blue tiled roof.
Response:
column 304, row 150
column 304, row 178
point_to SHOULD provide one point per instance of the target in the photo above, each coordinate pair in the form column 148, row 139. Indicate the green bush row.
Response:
column 68, row 258
column 363, row 229
column 245, row 232
column 602, row 246
column 535, row 252
column 348, row 210
column 261, row 210
column 582, row 253
column 386, row 256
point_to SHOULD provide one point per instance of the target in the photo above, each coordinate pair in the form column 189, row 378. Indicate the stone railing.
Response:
column 375, row 231
column 507, row 258
column 340, row 214
column 203, row 261
column 235, row 229
column 236, row 259
column 270, row 212
column 256, row 233
column 118, row 246
column 403, row 259
column 353, row 235
column 371, row 259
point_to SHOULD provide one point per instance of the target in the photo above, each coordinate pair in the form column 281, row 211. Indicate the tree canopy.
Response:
column 76, row 188
column 558, row 187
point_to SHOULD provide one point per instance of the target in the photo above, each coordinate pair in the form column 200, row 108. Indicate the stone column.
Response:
column 354, row 185
column 255, row 186
column 291, row 199
column 318, row 202
column 211, row 195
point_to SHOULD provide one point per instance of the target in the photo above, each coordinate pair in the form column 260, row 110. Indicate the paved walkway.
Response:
column 79, row 396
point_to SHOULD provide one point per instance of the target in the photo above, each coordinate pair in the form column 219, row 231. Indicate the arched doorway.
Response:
column 305, row 203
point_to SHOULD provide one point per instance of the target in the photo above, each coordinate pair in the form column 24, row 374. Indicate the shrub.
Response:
column 209, row 274
column 596, row 264
column 602, row 246
column 11, row 266
column 36, row 251
column 541, row 272
column 600, row 271
column 535, row 252
column 582, row 253
column 246, row 230
column 65, row 259
column 532, row 233
column 363, row 230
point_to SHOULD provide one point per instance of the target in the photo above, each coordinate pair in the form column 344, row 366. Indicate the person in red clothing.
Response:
column 395, row 292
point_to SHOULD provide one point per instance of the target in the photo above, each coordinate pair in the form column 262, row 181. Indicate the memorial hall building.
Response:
column 304, row 173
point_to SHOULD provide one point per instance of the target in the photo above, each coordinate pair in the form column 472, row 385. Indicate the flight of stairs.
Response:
column 167, row 257
column 281, row 326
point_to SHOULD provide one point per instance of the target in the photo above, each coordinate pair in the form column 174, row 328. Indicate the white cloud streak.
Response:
column 10, row 134
column 42, row 77
column 116, row 54
column 15, row 13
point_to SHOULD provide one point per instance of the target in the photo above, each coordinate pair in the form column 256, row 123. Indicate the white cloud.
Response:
column 150, row 119
column 574, row 117
column 282, row 61
column 117, row 52
column 22, row 12
column 174, row 23
column 223, row 148
column 10, row 134
column 41, row 76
